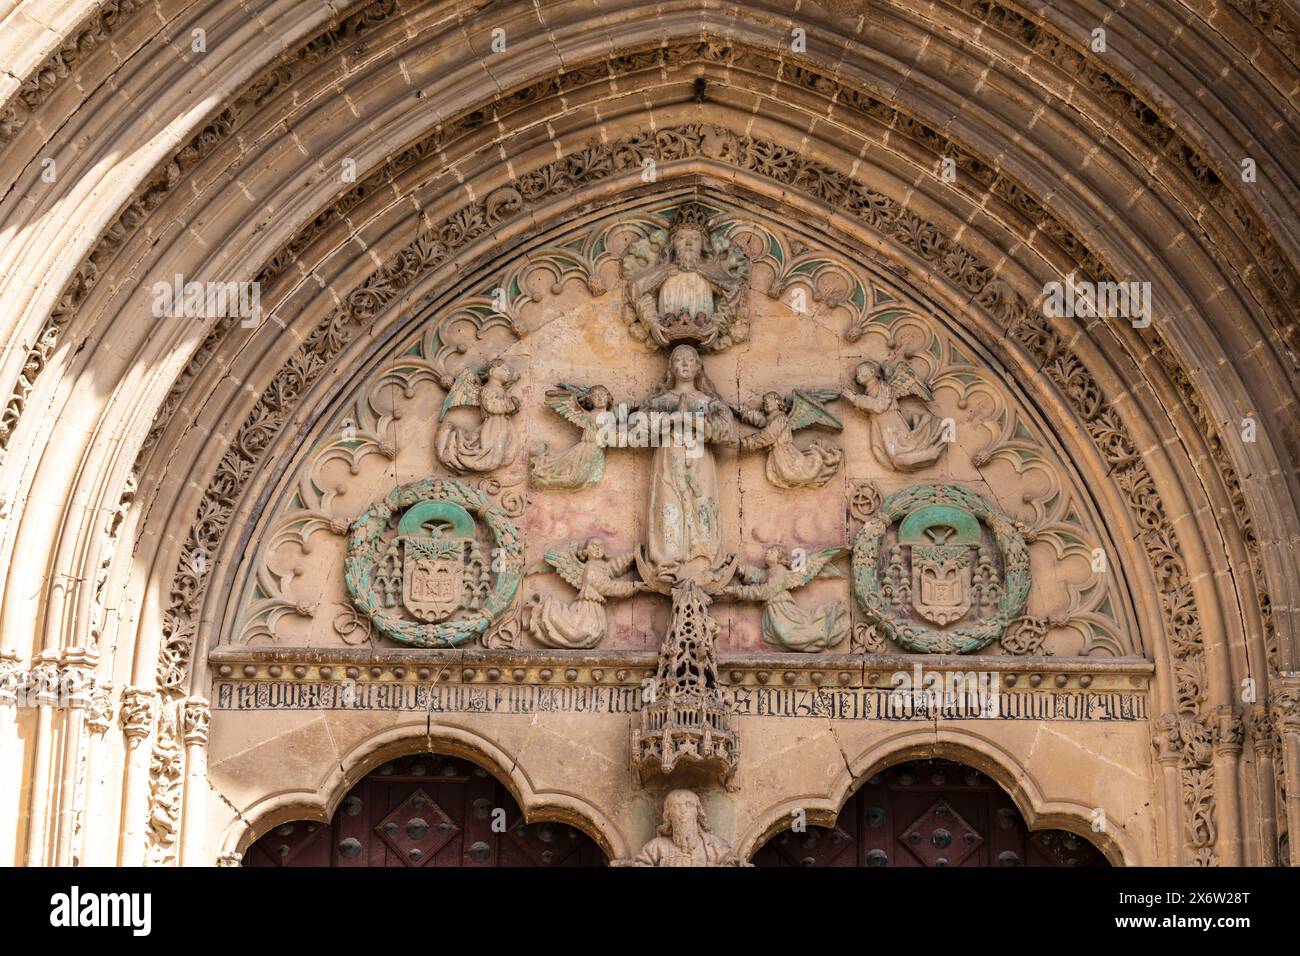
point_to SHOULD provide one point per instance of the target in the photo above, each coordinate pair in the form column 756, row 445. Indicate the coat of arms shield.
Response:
column 433, row 576
column 940, row 538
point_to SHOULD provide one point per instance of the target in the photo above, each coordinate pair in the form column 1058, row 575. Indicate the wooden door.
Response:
column 929, row 813
column 426, row 810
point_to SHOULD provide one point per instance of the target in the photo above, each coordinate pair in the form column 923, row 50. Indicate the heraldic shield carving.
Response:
column 434, row 568
column 939, row 570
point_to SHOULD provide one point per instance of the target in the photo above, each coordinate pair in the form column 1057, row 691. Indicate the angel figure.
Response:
column 906, row 442
column 583, row 465
column 785, row 623
column 495, row 441
column 582, row 623
column 777, row 419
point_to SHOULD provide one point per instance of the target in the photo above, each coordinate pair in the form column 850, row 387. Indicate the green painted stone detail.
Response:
column 957, row 507
column 436, row 499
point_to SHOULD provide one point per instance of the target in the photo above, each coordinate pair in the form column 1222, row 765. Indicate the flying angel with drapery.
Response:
column 581, row 623
column 777, row 417
column 495, row 442
column 582, row 465
column 904, row 441
column 785, row 623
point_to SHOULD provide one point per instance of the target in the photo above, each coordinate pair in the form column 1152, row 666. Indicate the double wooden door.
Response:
column 929, row 813
column 426, row 810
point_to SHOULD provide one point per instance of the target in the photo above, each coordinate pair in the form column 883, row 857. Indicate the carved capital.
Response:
column 233, row 858
column 77, row 684
column 1166, row 741
column 12, row 678
column 1284, row 707
column 99, row 711
column 1263, row 736
column 44, row 681
column 195, row 718
column 1229, row 729
column 139, row 707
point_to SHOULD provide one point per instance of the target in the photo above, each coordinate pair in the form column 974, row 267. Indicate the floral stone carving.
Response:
column 924, row 563
column 435, row 568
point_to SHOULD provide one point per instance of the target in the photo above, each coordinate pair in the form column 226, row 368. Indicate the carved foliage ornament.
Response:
column 433, row 566
column 940, row 570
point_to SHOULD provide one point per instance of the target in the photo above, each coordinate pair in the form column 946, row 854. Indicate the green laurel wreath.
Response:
column 366, row 542
column 921, row 638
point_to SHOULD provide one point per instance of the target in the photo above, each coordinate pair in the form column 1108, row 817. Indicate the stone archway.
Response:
column 929, row 813
column 425, row 810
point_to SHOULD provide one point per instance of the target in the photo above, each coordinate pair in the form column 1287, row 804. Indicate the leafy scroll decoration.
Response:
column 366, row 542
column 921, row 638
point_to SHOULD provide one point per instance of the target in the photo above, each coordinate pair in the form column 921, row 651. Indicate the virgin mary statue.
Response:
column 684, row 525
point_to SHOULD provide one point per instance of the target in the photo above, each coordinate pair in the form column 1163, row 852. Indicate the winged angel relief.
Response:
column 785, row 623
column 777, row 419
column 904, row 441
column 581, row 623
column 495, row 442
column 583, row 465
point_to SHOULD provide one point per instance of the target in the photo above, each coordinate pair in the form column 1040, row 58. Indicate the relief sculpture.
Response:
column 495, row 442
column 581, row 624
column 777, row 418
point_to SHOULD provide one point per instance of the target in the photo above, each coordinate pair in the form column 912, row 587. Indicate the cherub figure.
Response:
column 583, row 465
column 905, row 442
column 581, row 624
column 785, row 623
column 777, row 419
column 495, row 442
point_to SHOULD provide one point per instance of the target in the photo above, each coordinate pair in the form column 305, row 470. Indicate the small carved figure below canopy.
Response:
column 683, row 838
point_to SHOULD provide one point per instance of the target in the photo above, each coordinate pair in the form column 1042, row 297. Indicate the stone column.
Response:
column 1164, row 737
column 46, row 681
column 139, row 710
column 99, row 717
column 195, row 718
column 1229, row 732
column 13, row 679
column 76, row 683
column 1284, row 708
column 1264, row 740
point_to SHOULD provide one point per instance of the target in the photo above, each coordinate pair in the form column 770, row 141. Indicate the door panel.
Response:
column 929, row 813
column 425, row 810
